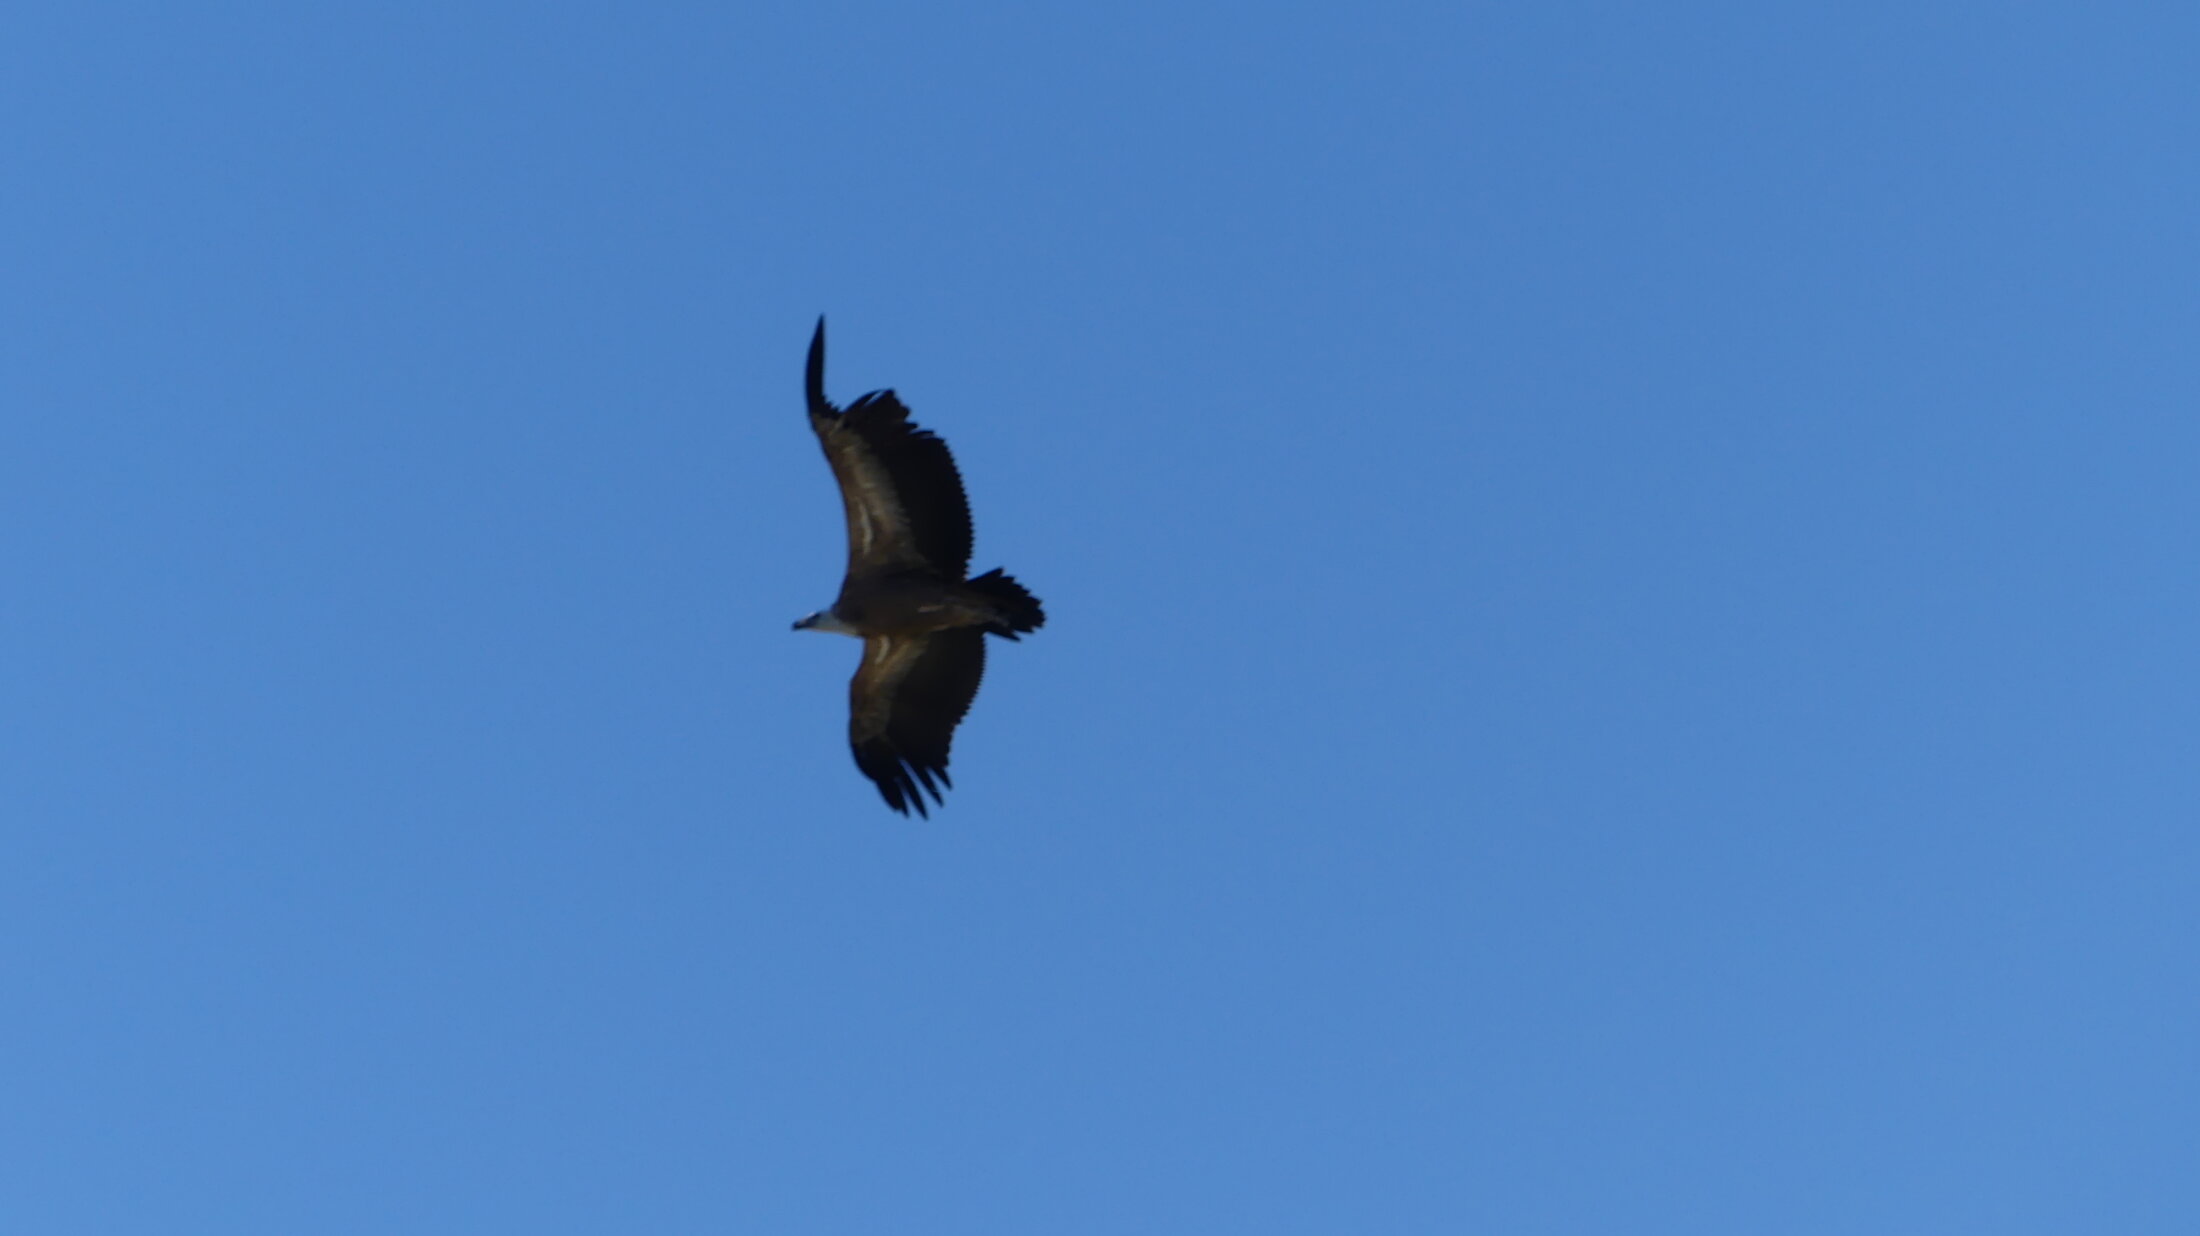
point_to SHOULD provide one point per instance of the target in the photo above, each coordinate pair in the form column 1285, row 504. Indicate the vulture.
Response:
column 922, row 623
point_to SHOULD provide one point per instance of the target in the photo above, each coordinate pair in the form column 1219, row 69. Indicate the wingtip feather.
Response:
column 815, row 377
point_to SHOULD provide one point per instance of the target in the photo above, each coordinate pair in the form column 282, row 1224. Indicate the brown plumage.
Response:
column 923, row 625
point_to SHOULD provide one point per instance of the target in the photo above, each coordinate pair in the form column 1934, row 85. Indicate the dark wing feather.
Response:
column 907, row 698
column 903, row 497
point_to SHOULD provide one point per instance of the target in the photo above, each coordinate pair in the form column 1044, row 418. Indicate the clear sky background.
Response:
column 1622, row 651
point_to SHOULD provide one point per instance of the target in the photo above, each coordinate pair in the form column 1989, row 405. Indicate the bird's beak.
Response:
column 804, row 624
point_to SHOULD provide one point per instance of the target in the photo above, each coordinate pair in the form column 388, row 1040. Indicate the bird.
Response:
column 905, row 595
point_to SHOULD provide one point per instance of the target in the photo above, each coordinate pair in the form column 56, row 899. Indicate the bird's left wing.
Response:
column 903, row 496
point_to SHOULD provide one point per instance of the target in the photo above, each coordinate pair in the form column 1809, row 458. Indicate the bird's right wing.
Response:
column 904, row 704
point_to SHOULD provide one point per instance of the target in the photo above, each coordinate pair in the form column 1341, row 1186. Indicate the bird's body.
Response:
column 923, row 625
column 906, row 603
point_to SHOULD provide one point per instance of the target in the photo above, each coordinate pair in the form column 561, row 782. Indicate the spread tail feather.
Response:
column 1015, row 609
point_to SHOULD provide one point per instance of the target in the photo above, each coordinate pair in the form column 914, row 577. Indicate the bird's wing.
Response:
column 904, row 499
column 904, row 704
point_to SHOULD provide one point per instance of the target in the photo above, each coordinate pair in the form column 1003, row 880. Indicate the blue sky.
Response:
column 1622, row 630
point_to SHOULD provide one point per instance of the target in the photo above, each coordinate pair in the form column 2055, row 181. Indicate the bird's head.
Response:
column 823, row 620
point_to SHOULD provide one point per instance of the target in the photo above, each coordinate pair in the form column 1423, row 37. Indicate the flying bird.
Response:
column 923, row 625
